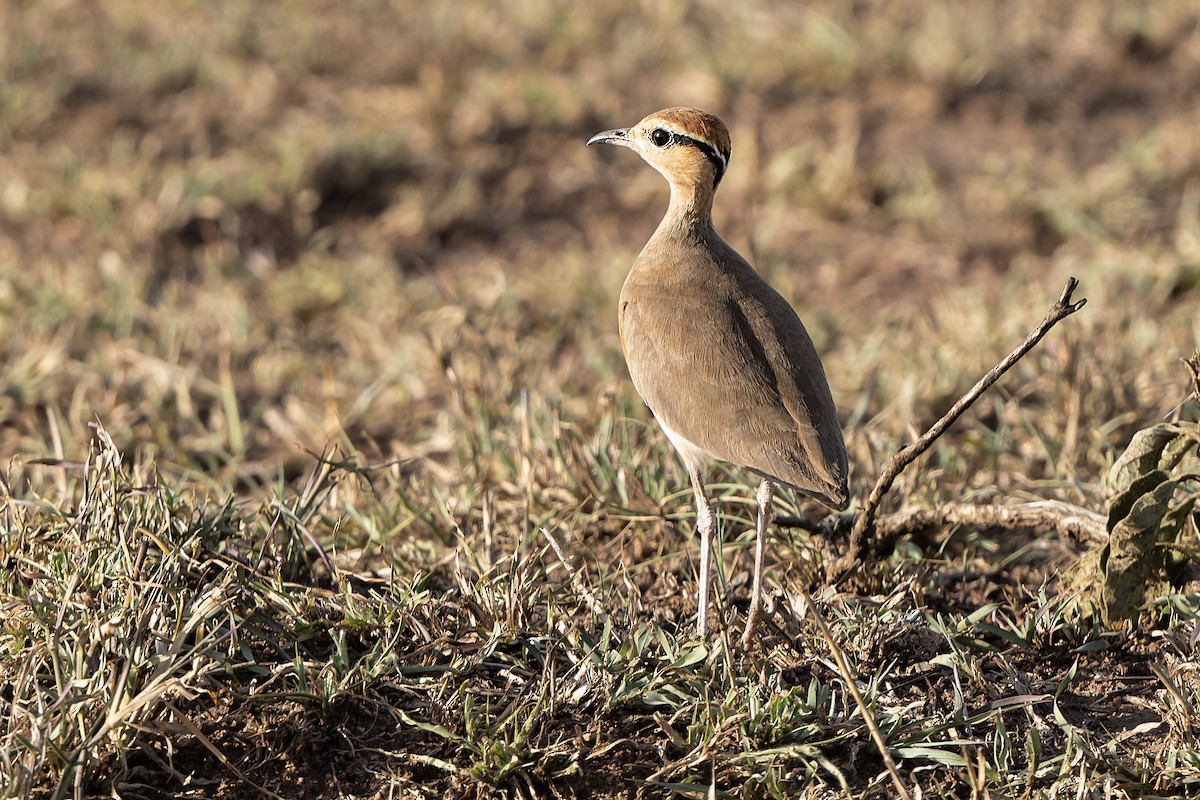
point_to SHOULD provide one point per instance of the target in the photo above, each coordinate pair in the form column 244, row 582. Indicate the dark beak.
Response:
column 615, row 136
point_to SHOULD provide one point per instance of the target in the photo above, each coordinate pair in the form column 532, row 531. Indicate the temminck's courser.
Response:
column 717, row 354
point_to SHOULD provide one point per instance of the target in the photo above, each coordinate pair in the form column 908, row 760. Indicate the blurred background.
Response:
column 234, row 231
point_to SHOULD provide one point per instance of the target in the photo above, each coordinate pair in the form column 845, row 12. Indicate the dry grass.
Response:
column 234, row 238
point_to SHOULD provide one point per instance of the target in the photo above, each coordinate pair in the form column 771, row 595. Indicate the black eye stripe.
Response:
column 717, row 159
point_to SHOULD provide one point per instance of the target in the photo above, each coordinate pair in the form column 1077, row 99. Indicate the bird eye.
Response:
column 659, row 137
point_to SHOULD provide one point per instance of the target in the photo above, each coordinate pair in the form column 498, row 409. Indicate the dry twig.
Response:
column 852, row 686
column 865, row 522
column 1083, row 524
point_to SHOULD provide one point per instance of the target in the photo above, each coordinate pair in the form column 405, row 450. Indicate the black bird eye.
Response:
column 659, row 137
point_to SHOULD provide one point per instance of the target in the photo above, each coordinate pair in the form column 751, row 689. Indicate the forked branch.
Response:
column 865, row 522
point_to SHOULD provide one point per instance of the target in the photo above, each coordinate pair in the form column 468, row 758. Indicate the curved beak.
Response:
column 615, row 136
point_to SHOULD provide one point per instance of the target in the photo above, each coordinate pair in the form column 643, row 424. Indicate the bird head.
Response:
column 689, row 147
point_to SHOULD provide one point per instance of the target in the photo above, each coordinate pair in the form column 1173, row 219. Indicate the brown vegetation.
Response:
column 234, row 237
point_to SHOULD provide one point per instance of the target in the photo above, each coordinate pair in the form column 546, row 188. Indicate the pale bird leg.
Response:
column 706, row 521
column 766, row 492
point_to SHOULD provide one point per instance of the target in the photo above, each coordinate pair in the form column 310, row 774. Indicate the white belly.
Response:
column 694, row 457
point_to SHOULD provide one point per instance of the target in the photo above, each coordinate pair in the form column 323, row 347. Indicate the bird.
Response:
column 720, row 357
